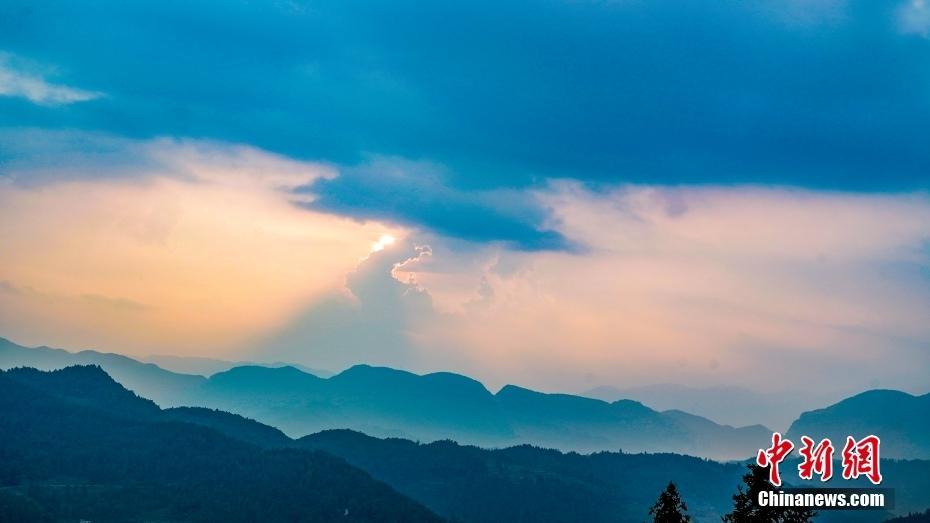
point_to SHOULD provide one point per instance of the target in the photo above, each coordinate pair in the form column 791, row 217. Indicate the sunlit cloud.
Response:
column 694, row 285
column 386, row 240
column 200, row 252
column 200, row 247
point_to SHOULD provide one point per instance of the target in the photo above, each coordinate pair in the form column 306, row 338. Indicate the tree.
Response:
column 669, row 508
column 745, row 509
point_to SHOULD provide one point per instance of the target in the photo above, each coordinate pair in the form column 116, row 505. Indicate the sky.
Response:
column 560, row 194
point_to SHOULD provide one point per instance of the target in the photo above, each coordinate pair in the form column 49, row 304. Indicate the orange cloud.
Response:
column 210, row 248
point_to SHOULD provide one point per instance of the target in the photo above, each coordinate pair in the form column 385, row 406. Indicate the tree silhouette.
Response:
column 669, row 508
column 745, row 509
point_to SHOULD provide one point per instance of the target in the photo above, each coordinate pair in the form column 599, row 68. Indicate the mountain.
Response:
column 387, row 402
column 392, row 403
column 708, row 435
column 232, row 425
column 901, row 420
column 377, row 400
column 524, row 483
column 87, row 386
column 210, row 366
column 470, row 484
column 723, row 404
column 77, row 446
column 564, row 421
column 164, row 387
column 434, row 406
column 569, row 422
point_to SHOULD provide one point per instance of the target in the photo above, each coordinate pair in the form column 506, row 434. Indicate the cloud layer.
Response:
column 210, row 248
column 824, row 95
column 706, row 285
column 194, row 247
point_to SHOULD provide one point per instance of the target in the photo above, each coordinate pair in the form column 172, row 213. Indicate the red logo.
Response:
column 817, row 459
column 860, row 458
column 773, row 456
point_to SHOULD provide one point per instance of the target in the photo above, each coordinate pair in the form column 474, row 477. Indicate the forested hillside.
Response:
column 77, row 446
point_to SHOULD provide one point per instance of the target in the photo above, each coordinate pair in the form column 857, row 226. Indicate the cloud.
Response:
column 9, row 288
column 115, row 303
column 824, row 95
column 698, row 285
column 374, row 319
column 914, row 18
column 14, row 82
column 185, row 245
column 98, row 301
column 419, row 194
column 694, row 284
column 34, row 157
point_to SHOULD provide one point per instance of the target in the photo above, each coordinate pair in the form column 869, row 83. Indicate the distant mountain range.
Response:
column 391, row 403
column 77, row 445
column 386, row 402
column 901, row 420
column 723, row 404
column 146, row 379
column 210, row 366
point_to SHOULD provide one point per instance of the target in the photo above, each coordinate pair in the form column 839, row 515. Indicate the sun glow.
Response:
column 384, row 241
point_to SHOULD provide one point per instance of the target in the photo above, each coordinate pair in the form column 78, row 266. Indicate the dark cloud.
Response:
column 419, row 194
column 827, row 95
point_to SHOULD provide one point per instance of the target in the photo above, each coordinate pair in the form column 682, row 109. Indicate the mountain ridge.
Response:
column 76, row 454
column 387, row 402
column 900, row 419
column 461, row 482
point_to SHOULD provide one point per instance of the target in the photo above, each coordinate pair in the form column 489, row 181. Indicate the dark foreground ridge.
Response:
column 75, row 445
